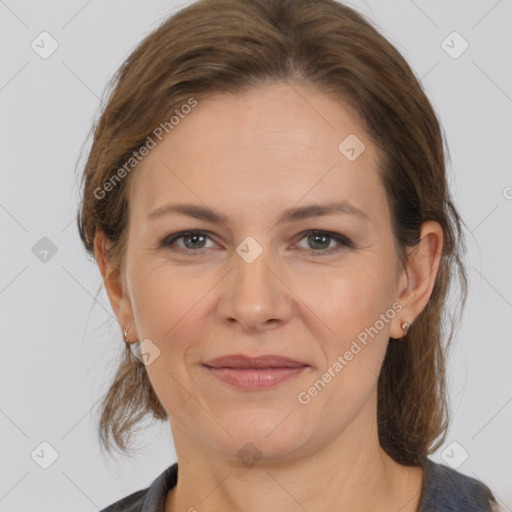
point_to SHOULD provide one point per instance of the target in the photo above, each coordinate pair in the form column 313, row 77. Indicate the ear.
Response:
column 417, row 280
column 113, row 281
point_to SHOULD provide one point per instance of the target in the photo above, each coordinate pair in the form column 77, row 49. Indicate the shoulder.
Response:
column 447, row 490
column 132, row 503
column 151, row 499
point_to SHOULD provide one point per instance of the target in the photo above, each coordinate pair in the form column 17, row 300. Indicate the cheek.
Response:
column 163, row 298
column 168, row 307
column 348, row 299
column 357, row 307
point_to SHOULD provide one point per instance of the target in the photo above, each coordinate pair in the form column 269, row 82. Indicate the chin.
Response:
column 263, row 434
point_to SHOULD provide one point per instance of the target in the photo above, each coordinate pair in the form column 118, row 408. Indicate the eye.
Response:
column 319, row 242
column 192, row 240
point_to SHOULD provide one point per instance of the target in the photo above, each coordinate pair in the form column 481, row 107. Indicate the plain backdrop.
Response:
column 59, row 344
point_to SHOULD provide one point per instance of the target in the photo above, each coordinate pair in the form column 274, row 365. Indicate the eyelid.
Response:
column 171, row 239
column 344, row 240
column 342, row 244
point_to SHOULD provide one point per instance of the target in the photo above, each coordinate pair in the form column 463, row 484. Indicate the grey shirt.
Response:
column 444, row 490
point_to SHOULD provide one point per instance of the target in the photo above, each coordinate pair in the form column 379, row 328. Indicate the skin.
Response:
column 249, row 157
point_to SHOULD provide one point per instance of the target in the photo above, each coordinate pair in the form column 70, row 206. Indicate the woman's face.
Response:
column 301, row 266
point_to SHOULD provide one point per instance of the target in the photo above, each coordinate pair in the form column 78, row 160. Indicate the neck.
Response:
column 351, row 472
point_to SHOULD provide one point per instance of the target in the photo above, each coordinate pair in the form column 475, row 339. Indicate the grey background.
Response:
column 59, row 347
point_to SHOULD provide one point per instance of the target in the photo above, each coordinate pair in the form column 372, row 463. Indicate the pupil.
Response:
column 320, row 237
column 194, row 238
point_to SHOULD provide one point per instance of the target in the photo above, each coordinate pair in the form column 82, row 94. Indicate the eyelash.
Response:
column 343, row 242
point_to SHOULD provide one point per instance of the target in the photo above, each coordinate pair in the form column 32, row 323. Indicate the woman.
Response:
column 267, row 203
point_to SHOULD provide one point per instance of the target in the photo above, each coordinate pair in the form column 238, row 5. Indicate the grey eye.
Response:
column 194, row 240
column 319, row 240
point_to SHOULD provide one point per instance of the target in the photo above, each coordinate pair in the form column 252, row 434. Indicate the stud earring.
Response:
column 405, row 326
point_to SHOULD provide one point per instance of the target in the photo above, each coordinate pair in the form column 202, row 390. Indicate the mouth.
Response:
column 254, row 373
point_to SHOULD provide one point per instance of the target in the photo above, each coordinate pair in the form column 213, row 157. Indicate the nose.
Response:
column 254, row 296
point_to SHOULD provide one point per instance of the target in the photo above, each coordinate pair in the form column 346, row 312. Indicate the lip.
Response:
column 243, row 361
column 255, row 373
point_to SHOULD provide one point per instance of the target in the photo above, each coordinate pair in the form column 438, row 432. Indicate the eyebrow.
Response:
column 290, row 215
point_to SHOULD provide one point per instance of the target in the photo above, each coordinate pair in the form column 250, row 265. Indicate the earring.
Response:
column 126, row 338
column 133, row 347
column 405, row 326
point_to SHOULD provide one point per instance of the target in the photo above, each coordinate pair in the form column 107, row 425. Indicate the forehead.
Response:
column 272, row 145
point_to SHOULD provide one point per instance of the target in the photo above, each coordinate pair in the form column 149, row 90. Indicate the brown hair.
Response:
column 232, row 45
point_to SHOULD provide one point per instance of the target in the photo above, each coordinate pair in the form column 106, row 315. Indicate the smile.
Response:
column 254, row 379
